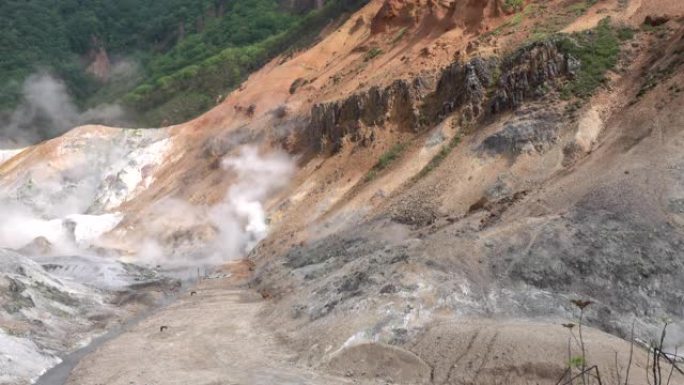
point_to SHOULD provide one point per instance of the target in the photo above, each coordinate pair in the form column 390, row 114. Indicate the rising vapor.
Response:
column 47, row 110
column 236, row 224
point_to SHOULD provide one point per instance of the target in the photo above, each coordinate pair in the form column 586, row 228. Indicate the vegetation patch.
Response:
column 373, row 53
column 513, row 22
column 199, row 47
column 656, row 77
column 625, row 33
column 550, row 21
column 400, row 35
column 582, row 6
column 513, row 5
column 14, row 300
column 386, row 159
column 439, row 158
column 597, row 50
column 224, row 70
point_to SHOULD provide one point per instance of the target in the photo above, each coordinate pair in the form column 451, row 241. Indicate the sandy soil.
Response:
column 212, row 338
column 216, row 338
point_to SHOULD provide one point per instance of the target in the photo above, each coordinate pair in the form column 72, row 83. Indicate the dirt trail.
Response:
column 211, row 339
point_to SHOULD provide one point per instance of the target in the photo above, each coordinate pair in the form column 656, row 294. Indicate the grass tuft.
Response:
column 439, row 158
column 582, row 6
column 399, row 35
column 386, row 159
column 373, row 53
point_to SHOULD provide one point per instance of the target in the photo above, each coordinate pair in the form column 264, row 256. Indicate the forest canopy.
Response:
column 187, row 52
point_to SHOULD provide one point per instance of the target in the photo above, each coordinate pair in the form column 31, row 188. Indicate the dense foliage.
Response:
column 52, row 35
column 176, row 96
column 190, row 51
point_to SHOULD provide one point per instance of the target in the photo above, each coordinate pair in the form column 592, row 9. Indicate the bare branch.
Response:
column 631, row 354
column 669, row 377
column 617, row 368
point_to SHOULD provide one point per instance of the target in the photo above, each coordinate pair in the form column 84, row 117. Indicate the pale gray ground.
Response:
column 212, row 338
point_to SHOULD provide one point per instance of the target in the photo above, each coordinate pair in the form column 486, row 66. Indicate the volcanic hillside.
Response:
column 462, row 170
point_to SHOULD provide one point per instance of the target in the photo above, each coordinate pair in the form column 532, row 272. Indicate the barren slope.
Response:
column 450, row 198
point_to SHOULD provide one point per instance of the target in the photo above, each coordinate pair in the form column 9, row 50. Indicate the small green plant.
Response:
column 441, row 155
column 399, row 35
column 513, row 5
column 373, row 53
column 577, row 362
column 649, row 28
column 582, row 6
column 515, row 20
column 653, row 79
column 386, row 159
column 496, row 75
column 625, row 33
column 538, row 36
column 657, row 372
column 578, row 8
column 582, row 304
column 496, row 78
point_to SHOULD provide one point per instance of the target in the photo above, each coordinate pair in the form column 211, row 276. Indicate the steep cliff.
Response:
column 476, row 89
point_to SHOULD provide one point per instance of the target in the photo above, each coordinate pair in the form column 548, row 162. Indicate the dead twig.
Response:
column 672, row 368
column 631, row 353
column 582, row 374
column 617, row 368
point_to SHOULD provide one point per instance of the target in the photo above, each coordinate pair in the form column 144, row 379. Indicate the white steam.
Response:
column 66, row 199
column 257, row 178
column 124, row 70
column 192, row 234
column 47, row 111
column 21, row 226
column 72, row 203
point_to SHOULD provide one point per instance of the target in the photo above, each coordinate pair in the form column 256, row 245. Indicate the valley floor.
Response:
column 215, row 335
column 212, row 338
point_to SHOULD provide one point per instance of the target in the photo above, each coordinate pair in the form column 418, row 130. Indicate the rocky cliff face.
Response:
column 461, row 86
column 429, row 14
column 398, row 103
column 530, row 72
column 486, row 86
column 476, row 89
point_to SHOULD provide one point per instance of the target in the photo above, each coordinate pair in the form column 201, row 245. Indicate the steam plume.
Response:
column 47, row 111
column 237, row 223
